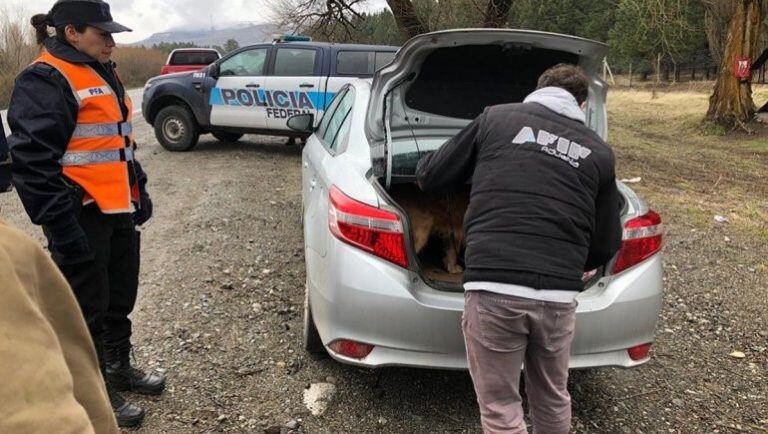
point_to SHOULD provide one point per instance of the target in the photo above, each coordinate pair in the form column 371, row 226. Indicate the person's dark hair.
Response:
column 568, row 77
column 41, row 23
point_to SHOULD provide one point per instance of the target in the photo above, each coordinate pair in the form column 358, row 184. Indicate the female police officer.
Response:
column 73, row 166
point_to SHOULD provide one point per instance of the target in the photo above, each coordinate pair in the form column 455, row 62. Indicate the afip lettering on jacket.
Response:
column 558, row 147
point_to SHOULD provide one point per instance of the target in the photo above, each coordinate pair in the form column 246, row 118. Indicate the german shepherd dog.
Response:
column 442, row 216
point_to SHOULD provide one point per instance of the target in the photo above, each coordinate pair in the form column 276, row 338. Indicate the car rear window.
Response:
column 362, row 62
column 193, row 58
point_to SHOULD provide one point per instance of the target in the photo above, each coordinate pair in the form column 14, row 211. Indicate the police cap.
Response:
column 91, row 12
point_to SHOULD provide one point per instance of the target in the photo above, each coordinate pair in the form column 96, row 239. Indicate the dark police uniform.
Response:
column 97, row 251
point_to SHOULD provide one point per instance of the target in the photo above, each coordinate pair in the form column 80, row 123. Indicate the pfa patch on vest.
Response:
column 94, row 91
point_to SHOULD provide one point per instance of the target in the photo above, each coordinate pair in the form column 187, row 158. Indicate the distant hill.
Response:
column 244, row 34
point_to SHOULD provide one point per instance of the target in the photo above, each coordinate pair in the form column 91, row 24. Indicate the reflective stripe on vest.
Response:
column 84, row 158
column 100, row 130
column 99, row 155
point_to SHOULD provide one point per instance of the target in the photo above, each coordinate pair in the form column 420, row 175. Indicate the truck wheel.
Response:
column 227, row 137
column 312, row 342
column 176, row 128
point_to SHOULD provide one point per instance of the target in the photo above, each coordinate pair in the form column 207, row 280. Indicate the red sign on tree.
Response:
column 742, row 68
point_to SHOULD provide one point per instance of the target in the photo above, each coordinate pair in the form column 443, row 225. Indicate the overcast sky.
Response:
column 146, row 17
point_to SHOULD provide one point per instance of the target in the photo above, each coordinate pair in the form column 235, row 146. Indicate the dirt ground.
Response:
column 223, row 280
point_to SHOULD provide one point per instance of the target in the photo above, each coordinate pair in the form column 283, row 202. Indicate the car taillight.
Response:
column 372, row 229
column 639, row 352
column 355, row 350
column 642, row 238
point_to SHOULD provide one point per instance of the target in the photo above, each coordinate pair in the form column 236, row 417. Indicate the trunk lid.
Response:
column 438, row 82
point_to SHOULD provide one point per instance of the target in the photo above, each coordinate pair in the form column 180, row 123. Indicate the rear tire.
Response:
column 227, row 137
column 176, row 128
column 312, row 342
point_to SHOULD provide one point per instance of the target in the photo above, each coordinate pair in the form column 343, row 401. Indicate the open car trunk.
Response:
column 437, row 83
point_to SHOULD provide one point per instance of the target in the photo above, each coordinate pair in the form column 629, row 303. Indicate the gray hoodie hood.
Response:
column 559, row 101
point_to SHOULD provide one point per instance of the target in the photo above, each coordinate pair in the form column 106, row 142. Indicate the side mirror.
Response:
column 303, row 123
column 213, row 70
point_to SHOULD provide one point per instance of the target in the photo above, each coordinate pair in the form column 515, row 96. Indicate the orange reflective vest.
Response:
column 101, row 148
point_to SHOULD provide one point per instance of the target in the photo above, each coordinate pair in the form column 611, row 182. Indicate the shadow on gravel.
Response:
column 446, row 399
column 260, row 144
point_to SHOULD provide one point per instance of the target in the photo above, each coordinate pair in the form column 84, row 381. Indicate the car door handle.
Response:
column 306, row 85
column 252, row 85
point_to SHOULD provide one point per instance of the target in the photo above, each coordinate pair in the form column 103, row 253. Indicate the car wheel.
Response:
column 227, row 137
column 312, row 342
column 176, row 128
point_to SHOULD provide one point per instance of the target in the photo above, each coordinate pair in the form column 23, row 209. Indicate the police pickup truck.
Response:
column 254, row 90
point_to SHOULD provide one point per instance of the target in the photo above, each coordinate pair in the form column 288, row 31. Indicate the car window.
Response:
column 343, row 132
column 383, row 58
column 338, row 117
column 355, row 62
column 329, row 112
column 244, row 64
column 292, row 62
column 193, row 58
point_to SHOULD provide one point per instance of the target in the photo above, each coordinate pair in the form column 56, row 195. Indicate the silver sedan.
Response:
column 370, row 299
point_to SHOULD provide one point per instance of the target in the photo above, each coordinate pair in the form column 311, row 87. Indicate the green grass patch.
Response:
column 760, row 145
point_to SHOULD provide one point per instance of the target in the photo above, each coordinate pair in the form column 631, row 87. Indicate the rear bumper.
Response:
column 359, row 297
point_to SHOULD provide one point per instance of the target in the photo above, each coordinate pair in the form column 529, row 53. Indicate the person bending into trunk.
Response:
column 544, row 207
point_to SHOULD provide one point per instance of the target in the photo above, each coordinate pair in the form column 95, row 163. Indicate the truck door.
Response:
column 293, row 86
column 238, row 98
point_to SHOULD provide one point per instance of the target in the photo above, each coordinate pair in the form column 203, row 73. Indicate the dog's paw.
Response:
column 454, row 268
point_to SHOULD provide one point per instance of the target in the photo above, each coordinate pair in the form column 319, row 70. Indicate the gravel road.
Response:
column 221, row 299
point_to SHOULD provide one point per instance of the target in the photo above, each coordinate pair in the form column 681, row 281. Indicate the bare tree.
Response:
column 408, row 22
column 17, row 48
column 731, row 102
column 318, row 16
column 496, row 13
column 327, row 16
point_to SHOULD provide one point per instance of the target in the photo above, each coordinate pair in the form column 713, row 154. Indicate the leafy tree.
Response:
column 167, row 47
column 230, row 45
column 649, row 30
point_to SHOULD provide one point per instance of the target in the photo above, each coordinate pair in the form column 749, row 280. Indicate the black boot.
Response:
column 127, row 414
column 125, row 378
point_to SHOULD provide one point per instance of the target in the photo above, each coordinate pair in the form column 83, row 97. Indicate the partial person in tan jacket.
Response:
column 49, row 375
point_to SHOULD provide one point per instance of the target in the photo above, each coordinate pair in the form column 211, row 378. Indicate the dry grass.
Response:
column 691, row 171
column 137, row 64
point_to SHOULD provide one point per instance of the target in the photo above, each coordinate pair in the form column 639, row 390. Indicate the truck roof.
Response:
column 330, row 45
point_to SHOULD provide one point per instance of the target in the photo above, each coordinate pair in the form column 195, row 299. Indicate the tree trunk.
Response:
column 407, row 21
column 716, row 15
column 731, row 102
column 496, row 13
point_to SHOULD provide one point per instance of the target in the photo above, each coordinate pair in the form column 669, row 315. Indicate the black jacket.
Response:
column 42, row 116
column 539, row 215
column 5, row 172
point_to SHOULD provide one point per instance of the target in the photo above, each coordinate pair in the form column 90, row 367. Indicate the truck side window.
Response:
column 245, row 64
column 294, row 62
column 383, row 58
column 354, row 62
